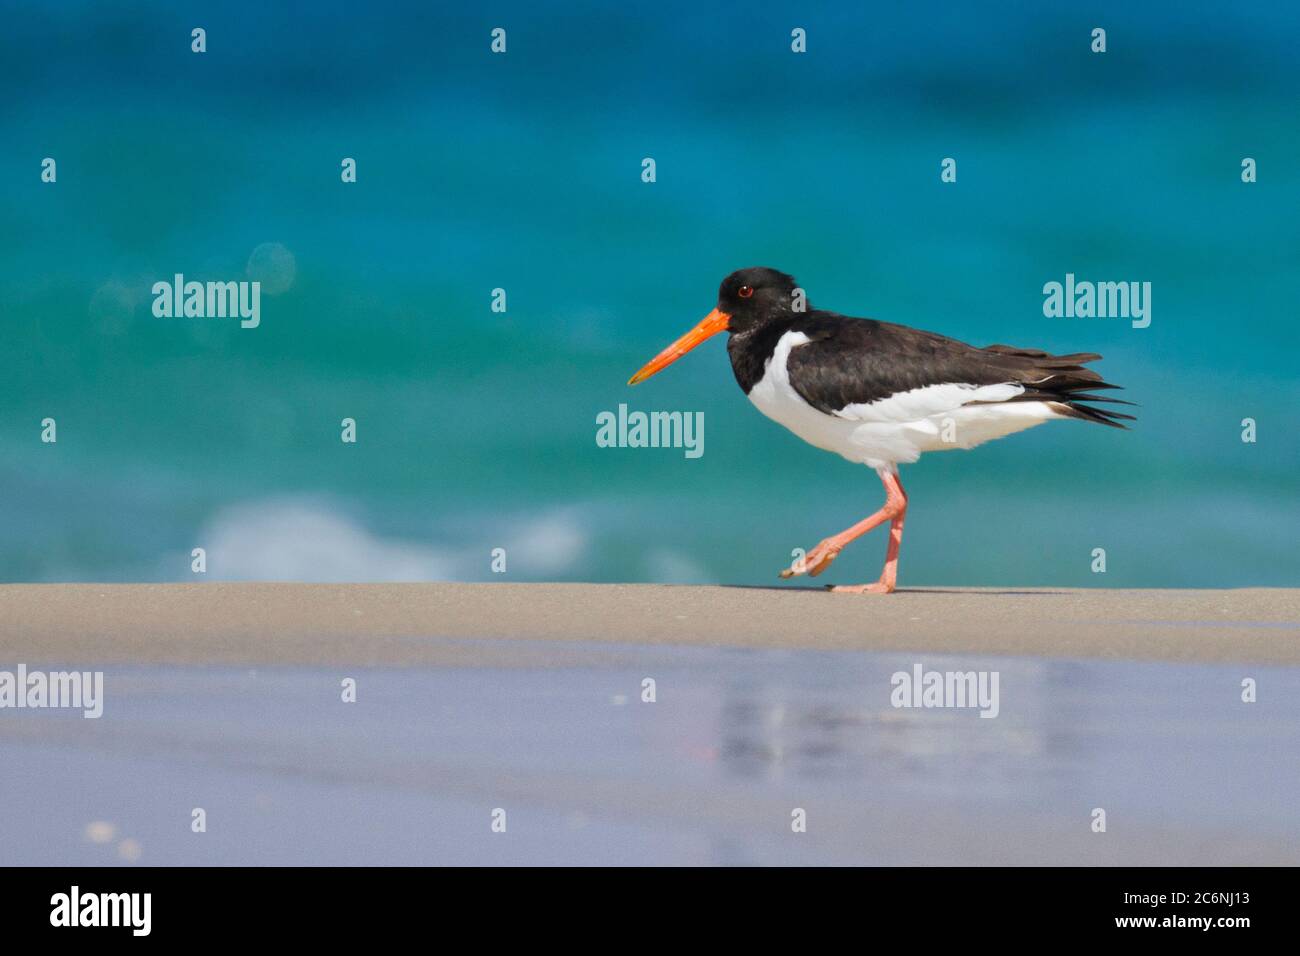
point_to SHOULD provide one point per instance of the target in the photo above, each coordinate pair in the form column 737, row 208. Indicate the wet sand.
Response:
column 390, row 624
column 707, row 774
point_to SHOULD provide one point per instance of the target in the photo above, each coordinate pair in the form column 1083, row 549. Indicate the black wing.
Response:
column 850, row 361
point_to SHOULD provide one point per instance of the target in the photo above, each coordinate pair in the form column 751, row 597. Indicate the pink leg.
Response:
column 889, row 576
column 894, row 510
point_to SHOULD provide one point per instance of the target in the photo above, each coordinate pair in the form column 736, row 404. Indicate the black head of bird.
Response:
column 747, row 299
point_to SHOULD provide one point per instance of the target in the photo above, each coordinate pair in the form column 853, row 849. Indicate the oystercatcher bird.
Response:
column 881, row 394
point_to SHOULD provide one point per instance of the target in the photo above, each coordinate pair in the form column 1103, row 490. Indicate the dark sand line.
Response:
column 389, row 624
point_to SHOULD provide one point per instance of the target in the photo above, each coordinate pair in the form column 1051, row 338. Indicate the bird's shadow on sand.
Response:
column 826, row 589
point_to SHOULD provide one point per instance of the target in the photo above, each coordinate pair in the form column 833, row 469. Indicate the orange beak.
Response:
column 709, row 326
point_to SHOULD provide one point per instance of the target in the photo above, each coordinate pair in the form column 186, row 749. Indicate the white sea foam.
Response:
column 304, row 539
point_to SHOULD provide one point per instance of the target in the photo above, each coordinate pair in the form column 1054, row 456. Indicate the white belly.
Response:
column 895, row 430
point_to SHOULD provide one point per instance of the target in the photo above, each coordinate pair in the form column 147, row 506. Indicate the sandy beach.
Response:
column 530, row 697
column 379, row 624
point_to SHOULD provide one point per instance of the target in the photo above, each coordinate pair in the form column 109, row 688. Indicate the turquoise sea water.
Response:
column 476, row 430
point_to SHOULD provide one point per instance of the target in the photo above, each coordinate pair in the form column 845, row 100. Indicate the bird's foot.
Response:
column 877, row 587
column 815, row 561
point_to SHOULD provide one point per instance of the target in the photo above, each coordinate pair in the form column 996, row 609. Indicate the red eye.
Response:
column 746, row 291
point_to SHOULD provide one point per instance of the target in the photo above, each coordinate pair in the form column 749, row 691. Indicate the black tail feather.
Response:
column 1102, row 416
column 1063, row 382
